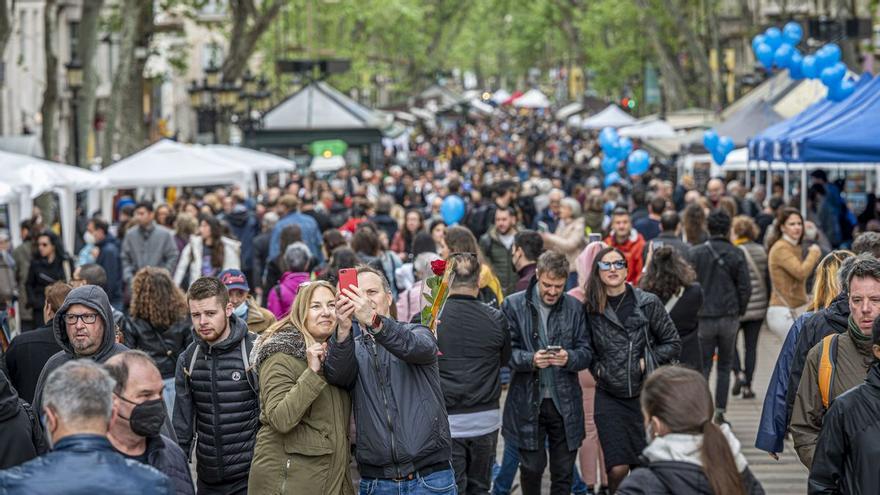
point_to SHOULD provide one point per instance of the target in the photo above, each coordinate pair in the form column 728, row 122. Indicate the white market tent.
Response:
column 331, row 164
column 501, row 96
column 567, row 111
column 532, row 98
column 259, row 162
column 612, row 116
column 648, row 129
column 26, row 177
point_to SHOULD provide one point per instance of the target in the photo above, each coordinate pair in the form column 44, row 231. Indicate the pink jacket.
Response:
column 584, row 263
column 411, row 302
column 281, row 296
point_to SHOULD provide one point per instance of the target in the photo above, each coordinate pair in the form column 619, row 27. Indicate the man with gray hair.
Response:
column 849, row 354
column 78, row 409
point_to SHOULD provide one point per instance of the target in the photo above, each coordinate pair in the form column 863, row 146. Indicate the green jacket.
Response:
column 303, row 423
column 501, row 260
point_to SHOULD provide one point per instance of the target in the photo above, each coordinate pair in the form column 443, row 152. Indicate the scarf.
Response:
column 856, row 333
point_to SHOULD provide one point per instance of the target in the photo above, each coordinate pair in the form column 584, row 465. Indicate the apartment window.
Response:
column 74, row 40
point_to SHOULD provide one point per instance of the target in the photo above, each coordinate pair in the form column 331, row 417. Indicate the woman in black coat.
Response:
column 672, row 279
column 21, row 436
column 50, row 264
column 628, row 327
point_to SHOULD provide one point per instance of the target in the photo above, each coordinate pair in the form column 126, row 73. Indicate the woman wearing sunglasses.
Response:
column 626, row 324
column 49, row 264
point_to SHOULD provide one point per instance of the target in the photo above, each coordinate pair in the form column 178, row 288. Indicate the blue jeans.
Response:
column 503, row 475
column 441, row 482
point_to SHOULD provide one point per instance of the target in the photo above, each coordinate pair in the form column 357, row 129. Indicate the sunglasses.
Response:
column 617, row 265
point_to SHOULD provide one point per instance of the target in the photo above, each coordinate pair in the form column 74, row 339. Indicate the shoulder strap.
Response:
column 247, row 366
column 674, row 299
column 192, row 364
column 827, row 367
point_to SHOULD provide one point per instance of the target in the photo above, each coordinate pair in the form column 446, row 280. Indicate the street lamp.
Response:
column 74, row 83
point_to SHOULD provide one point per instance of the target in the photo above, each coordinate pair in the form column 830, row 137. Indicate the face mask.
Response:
column 146, row 418
column 241, row 310
column 89, row 238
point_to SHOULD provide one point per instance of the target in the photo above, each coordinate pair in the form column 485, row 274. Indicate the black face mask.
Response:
column 146, row 418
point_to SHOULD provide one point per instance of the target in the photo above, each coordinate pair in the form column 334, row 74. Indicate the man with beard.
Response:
column 217, row 400
column 497, row 245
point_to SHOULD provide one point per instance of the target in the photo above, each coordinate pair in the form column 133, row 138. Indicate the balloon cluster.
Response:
column 776, row 48
column 617, row 149
column 719, row 146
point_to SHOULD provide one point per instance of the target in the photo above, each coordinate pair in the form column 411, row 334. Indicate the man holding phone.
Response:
column 391, row 369
column 544, row 407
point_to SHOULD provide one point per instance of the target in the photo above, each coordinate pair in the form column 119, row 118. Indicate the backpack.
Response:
column 250, row 376
column 827, row 368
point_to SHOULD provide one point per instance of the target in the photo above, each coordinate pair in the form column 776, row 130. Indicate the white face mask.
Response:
column 240, row 310
column 89, row 238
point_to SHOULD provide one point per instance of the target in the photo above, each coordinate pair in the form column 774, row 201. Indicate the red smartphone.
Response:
column 348, row 278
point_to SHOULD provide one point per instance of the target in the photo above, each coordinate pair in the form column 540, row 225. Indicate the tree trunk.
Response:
column 49, row 109
column 88, row 45
column 125, row 123
column 675, row 89
column 246, row 34
column 696, row 50
column 5, row 24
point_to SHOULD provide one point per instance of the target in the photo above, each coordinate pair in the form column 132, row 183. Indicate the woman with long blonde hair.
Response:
column 826, row 286
column 303, row 420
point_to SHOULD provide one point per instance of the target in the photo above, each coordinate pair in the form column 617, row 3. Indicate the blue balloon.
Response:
column 624, row 147
column 452, row 209
column 831, row 76
column 792, row 33
column 764, row 54
column 725, row 145
column 609, row 165
column 710, row 139
column 718, row 157
column 638, row 162
column 833, row 52
column 773, row 37
column 611, row 179
column 782, row 57
column 758, row 40
column 810, row 67
column 608, row 138
column 842, row 91
column 795, row 68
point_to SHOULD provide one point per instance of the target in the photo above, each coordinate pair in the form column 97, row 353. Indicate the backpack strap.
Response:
column 827, row 368
column 192, row 364
column 252, row 381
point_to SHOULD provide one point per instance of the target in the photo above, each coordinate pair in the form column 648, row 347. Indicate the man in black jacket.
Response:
column 139, row 414
column 474, row 342
column 669, row 236
column 109, row 259
column 29, row 351
column 723, row 273
column 216, row 394
column 845, row 460
column 550, row 344
column 392, row 372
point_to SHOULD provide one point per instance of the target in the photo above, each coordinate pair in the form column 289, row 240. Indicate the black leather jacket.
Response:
column 164, row 345
column 723, row 272
column 618, row 346
column 566, row 328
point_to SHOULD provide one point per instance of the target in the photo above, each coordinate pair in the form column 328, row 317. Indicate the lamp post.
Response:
column 74, row 83
column 218, row 102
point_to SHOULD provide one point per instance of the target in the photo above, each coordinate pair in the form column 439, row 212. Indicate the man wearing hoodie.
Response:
column 84, row 329
column 629, row 242
column 217, row 406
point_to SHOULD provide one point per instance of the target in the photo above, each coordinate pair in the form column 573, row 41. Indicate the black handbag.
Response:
column 651, row 363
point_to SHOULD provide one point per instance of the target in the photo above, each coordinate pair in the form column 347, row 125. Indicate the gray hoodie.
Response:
column 95, row 298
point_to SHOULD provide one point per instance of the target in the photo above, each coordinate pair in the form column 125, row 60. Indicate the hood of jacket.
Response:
column 108, row 240
column 8, row 399
column 292, row 280
column 239, row 216
column 585, row 260
column 680, row 447
column 286, row 339
column 238, row 330
column 95, row 298
column 837, row 313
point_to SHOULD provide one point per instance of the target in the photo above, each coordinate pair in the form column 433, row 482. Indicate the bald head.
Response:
column 714, row 190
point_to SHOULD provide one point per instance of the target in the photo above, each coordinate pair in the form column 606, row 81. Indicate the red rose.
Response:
column 438, row 267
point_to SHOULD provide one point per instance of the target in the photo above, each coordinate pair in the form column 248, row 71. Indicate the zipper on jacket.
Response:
column 372, row 347
column 284, row 478
column 629, row 369
column 215, row 403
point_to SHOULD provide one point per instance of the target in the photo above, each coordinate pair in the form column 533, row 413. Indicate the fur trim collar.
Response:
column 288, row 340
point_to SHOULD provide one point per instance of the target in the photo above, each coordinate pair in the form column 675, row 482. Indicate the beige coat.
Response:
column 568, row 239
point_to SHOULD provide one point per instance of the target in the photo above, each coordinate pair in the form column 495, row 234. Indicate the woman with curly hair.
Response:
column 158, row 323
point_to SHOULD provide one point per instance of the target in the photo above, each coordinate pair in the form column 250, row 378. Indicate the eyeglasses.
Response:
column 617, row 265
column 87, row 318
column 43, row 244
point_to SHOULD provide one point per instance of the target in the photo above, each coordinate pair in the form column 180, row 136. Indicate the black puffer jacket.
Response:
column 723, row 272
column 216, row 400
column 833, row 319
column 618, row 346
column 164, row 345
column 678, row 478
column 846, row 453
column 566, row 327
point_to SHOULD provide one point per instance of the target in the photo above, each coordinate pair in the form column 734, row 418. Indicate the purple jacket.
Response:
column 281, row 296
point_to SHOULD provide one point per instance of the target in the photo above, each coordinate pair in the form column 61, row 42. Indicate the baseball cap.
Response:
column 234, row 279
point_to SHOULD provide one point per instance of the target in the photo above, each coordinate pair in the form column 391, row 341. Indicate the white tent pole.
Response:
column 26, row 203
column 769, row 179
column 785, row 186
column 804, row 190
column 14, row 209
column 107, row 205
column 93, row 201
column 263, row 180
column 748, row 178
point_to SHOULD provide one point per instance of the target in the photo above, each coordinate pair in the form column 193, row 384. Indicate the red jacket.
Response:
column 632, row 250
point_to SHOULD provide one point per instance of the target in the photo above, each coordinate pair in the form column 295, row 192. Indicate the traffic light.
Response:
column 628, row 103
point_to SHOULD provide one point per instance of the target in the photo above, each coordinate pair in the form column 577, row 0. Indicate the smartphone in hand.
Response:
column 554, row 349
column 347, row 278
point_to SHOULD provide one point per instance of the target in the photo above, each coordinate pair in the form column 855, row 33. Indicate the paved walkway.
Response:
column 787, row 476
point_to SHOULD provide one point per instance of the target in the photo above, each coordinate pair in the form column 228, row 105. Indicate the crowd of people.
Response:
column 209, row 346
